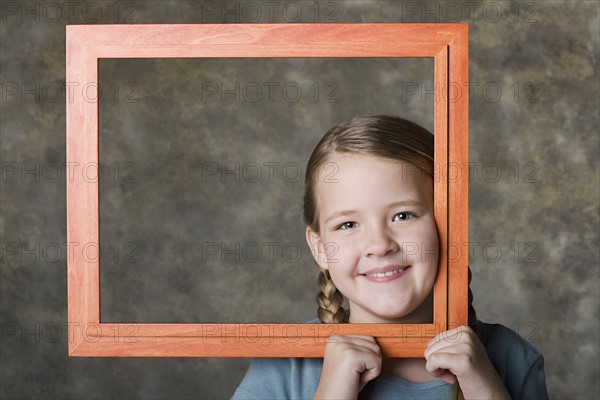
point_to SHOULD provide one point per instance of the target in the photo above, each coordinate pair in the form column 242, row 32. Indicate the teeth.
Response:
column 384, row 274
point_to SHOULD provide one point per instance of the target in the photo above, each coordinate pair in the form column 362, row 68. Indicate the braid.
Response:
column 329, row 299
column 472, row 314
column 458, row 394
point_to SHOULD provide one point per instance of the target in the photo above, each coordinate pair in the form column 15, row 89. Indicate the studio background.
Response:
column 533, row 194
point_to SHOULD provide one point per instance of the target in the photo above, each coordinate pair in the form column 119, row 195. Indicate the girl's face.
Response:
column 378, row 237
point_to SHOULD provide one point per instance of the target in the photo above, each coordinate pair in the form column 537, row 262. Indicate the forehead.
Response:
column 353, row 180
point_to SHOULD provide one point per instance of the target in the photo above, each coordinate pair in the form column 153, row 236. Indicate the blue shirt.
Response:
column 518, row 363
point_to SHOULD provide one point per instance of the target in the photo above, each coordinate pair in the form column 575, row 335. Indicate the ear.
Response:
column 316, row 247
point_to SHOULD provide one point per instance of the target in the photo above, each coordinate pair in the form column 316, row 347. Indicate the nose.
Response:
column 379, row 242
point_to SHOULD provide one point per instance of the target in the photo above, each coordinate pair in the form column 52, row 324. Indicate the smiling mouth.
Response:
column 386, row 274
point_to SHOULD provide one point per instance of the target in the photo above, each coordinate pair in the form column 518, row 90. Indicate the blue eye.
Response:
column 346, row 225
column 403, row 216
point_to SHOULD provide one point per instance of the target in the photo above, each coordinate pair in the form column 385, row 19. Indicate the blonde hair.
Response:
column 378, row 135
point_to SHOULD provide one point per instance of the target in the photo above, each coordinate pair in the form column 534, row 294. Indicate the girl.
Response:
column 372, row 209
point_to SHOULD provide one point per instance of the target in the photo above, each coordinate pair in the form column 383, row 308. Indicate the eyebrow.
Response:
column 401, row 203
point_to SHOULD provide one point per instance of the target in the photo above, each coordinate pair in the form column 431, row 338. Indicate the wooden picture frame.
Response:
column 447, row 44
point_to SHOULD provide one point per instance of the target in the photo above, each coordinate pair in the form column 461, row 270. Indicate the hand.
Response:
column 350, row 362
column 458, row 355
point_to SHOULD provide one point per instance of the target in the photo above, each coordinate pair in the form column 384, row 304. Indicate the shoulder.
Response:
column 498, row 338
column 518, row 362
column 280, row 378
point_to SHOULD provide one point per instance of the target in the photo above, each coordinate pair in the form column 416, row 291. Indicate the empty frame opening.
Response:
column 202, row 170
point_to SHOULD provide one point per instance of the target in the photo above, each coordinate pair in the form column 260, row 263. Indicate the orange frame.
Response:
column 447, row 44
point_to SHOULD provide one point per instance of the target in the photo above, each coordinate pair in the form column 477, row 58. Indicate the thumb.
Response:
column 363, row 381
column 366, row 376
column 447, row 377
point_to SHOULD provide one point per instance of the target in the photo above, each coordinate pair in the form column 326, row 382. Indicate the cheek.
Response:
column 337, row 246
column 342, row 257
column 341, row 260
column 431, row 252
column 427, row 238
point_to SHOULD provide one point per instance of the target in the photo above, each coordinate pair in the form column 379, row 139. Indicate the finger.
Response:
column 448, row 377
column 341, row 338
column 451, row 335
column 366, row 338
column 367, row 376
column 372, row 370
column 456, row 363
column 455, row 338
column 359, row 340
column 372, row 367
column 458, row 348
column 353, row 338
column 368, row 343
column 444, row 375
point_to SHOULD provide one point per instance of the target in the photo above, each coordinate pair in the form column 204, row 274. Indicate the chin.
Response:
column 391, row 314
